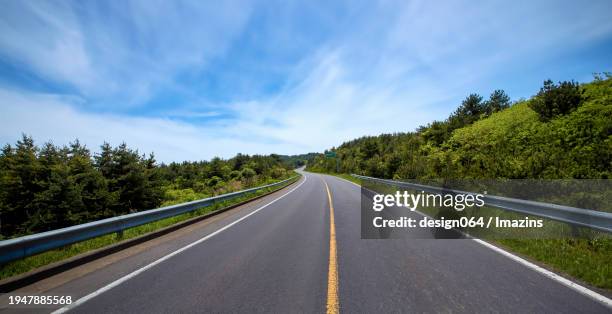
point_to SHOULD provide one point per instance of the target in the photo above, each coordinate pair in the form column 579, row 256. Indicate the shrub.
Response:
column 555, row 100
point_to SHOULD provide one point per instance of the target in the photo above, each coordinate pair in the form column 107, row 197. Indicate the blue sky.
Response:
column 191, row 80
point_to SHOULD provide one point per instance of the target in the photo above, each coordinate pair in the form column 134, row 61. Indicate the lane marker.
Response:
column 333, row 303
column 547, row 273
column 166, row 257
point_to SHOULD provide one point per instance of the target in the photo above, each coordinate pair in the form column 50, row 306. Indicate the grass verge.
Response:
column 32, row 262
column 587, row 260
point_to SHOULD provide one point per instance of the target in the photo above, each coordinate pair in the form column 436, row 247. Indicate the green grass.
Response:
column 587, row 260
column 52, row 256
column 584, row 259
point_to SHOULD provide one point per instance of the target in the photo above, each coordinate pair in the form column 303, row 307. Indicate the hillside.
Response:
column 569, row 137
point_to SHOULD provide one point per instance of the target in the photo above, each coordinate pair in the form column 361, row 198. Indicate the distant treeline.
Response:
column 565, row 131
column 50, row 187
column 296, row 161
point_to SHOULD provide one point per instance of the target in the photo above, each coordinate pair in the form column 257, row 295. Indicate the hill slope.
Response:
column 513, row 142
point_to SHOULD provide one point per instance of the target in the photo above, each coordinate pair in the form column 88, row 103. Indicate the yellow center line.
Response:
column 333, row 303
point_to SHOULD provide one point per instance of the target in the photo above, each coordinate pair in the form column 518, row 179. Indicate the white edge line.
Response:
column 564, row 281
column 547, row 273
column 341, row 178
column 160, row 260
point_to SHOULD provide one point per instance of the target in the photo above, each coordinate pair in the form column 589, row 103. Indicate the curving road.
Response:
column 273, row 256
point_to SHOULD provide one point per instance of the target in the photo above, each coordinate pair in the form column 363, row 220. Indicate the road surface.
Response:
column 273, row 256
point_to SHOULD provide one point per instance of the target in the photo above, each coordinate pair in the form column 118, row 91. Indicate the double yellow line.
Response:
column 333, row 303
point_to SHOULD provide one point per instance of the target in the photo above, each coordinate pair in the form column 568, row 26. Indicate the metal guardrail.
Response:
column 21, row 247
column 593, row 219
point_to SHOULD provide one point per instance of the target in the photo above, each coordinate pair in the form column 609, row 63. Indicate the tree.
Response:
column 129, row 179
column 470, row 110
column 104, row 161
column 239, row 161
column 555, row 100
column 498, row 101
column 9, row 223
column 216, row 168
column 436, row 132
column 92, row 198
column 369, row 148
column 53, row 187
column 54, row 199
column 27, row 169
column 153, row 190
column 248, row 174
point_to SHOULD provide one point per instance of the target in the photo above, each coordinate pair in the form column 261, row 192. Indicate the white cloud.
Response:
column 418, row 57
column 388, row 68
column 53, row 118
column 117, row 53
column 42, row 35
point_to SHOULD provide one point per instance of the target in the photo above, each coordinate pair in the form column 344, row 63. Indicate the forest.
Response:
column 563, row 132
column 48, row 187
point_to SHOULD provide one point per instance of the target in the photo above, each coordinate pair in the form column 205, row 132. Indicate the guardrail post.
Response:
column 575, row 231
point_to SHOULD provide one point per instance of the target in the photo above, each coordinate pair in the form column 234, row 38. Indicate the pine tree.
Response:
column 498, row 101
column 28, row 184
column 8, row 182
column 92, row 199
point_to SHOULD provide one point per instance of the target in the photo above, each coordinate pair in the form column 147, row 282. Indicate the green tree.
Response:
column 470, row 110
column 129, row 179
column 554, row 100
column 53, row 187
column 93, row 199
column 498, row 101
column 248, row 174
column 9, row 210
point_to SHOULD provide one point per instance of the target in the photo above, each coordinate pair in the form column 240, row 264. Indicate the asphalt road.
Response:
column 276, row 259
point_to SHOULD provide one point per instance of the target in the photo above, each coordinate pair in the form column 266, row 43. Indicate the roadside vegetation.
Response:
column 496, row 138
column 563, row 132
column 52, row 256
column 50, row 187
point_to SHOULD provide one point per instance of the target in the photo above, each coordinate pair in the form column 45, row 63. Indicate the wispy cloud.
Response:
column 190, row 80
column 117, row 53
column 53, row 118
